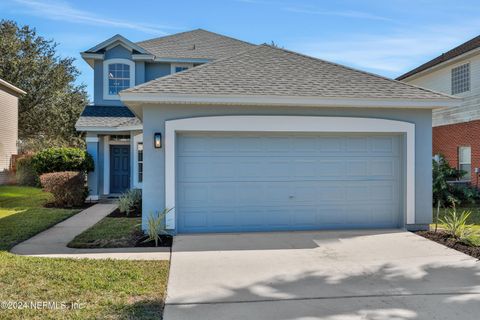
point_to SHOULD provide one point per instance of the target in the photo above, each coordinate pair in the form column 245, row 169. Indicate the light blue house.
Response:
column 240, row 137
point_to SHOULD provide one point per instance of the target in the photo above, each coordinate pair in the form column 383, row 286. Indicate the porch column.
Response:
column 93, row 177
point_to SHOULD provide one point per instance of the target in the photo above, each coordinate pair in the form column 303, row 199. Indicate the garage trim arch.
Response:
column 299, row 124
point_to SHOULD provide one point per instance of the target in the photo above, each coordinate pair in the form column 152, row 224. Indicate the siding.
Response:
column 154, row 159
column 8, row 130
column 440, row 80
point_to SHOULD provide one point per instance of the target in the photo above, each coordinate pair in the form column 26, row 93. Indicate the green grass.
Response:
column 105, row 289
column 108, row 233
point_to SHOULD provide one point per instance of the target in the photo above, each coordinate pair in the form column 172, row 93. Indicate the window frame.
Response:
column 468, row 176
column 455, row 81
column 106, row 64
column 173, row 66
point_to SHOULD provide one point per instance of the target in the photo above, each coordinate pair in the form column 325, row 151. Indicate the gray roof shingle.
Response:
column 270, row 71
column 195, row 44
column 107, row 116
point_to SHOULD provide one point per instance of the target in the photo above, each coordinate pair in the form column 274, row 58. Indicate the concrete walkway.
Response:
column 53, row 242
column 331, row 275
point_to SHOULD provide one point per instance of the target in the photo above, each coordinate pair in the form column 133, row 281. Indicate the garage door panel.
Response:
column 234, row 182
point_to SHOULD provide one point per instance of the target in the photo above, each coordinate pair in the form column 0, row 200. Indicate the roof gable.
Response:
column 272, row 72
column 115, row 40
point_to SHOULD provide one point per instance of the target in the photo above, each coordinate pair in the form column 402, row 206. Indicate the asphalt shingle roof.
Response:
column 455, row 52
column 196, row 44
column 107, row 116
column 269, row 71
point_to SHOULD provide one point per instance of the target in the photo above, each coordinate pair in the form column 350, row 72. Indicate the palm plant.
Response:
column 456, row 224
column 156, row 226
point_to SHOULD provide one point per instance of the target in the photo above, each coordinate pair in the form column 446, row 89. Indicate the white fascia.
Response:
column 109, row 129
column 127, row 97
column 302, row 124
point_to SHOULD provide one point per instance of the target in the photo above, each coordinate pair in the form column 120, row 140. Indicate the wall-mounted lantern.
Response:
column 157, row 140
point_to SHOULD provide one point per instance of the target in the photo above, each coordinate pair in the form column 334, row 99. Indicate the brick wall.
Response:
column 447, row 139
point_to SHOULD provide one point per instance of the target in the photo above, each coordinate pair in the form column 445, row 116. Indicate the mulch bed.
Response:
column 136, row 213
column 166, row 241
column 445, row 239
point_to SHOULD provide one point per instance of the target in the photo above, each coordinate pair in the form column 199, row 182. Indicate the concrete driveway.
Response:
column 341, row 275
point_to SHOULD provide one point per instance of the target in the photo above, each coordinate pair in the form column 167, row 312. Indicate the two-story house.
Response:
column 456, row 130
column 239, row 137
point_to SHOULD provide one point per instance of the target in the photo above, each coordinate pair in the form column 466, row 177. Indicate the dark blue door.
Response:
column 119, row 168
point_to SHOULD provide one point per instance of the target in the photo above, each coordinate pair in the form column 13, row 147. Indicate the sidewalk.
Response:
column 53, row 242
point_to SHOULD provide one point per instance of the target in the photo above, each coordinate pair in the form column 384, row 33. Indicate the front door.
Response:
column 119, row 168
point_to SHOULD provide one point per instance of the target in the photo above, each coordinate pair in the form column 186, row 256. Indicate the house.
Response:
column 8, row 126
column 456, row 130
column 239, row 137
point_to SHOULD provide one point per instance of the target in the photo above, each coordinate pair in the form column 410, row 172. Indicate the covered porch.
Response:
column 118, row 158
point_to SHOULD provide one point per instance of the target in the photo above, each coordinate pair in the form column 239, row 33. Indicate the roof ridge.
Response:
column 357, row 70
column 195, row 69
column 189, row 31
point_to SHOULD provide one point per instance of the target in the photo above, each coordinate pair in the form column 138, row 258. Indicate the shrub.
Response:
column 130, row 200
column 68, row 187
column 156, row 226
column 62, row 159
column 25, row 172
column 456, row 225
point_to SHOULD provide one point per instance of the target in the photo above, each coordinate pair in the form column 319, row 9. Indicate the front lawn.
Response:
column 99, row 289
column 109, row 233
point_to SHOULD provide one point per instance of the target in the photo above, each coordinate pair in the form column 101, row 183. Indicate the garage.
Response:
column 258, row 181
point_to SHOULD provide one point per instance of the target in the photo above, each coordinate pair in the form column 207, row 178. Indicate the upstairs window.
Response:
column 179, row 67
column 465, row 162
column 461, row 79
column 119, row 74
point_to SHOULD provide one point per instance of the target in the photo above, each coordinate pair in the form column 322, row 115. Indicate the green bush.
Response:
column 62, row 159
column 156, row 226
column 68, row 188
column 25, row 172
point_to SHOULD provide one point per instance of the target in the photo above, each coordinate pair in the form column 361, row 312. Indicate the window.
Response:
column 461, row 78
column 179, row 67
column 465, row 161
column 140, row 161
column 119, row 74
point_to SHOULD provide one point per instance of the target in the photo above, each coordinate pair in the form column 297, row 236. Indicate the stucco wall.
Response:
column 154, row 165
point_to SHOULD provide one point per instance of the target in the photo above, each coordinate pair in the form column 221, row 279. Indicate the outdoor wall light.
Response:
column 157, row 140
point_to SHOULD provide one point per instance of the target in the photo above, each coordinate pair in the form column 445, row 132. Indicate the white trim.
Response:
column 287, row 124
column 92, row 139
column 11, row 87
column 94, row 56
column 143, row 57
column 106, row 63
column 110, row 129
column 161, row 98
column 181, row 65
column 454, row 60
column 136, row 139
column 106, row 165
column 118, row 38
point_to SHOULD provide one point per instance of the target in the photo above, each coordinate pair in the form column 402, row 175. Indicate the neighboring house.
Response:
column 456, row 130
column 257, row 138
column 8, row 126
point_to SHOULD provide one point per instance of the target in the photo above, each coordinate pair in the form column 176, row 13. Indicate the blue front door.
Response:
column 119, row 168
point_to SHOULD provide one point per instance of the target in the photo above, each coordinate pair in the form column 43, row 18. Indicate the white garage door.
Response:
column 231, row 182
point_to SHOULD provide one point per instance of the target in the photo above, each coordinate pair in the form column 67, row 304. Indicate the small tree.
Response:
column 442, row 191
